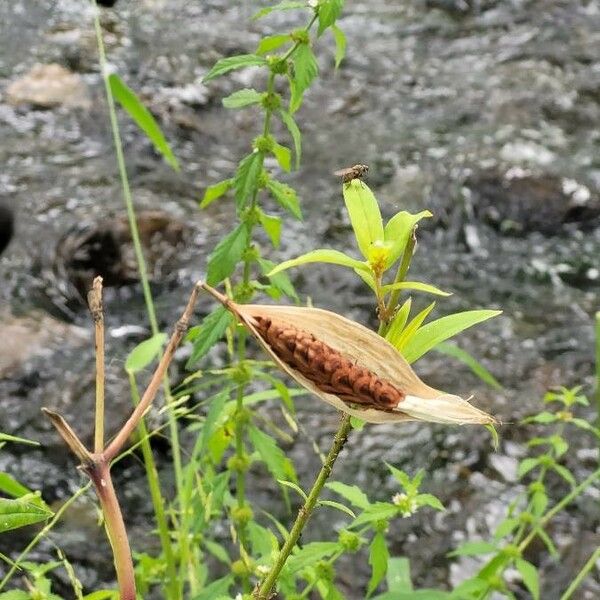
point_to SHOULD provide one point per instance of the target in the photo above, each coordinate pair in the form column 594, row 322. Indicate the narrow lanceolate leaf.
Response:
column 285, row 5
column 246, row 177
column 208, row 333
column 216, row 191
column 417, row 286
column 272, row 42
column 234, row 62
column 322, row 255
column 364, row 214
column 340, row 45
column 5, row 437
column 411, row 329
column 272, row 226
column 431, row 334
column 226, row 254
column 530, row 577
column 453, row 350
column 305, row 70
column 273, row 456
column 145, row 353
column 242, row 98
column 289, row 122
column 329, row 11
column 142, row 117
column 352, row 493
column 18, row 513
column 280, row 281
column 283, row 156
column 347, row 365
column 398, row 231
column 378, row 559
column 286, row 197
column 398, row 322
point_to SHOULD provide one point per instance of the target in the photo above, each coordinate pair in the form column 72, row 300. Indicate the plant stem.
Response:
column 99, row 473
column 264, row 591
column 158, row 503
column 95, row 303
column 581, row 575
column 142, row 267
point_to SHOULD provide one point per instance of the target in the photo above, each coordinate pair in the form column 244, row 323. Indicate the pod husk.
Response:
column 366, row 349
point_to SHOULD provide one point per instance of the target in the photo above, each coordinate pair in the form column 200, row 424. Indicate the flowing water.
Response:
column 483, row 111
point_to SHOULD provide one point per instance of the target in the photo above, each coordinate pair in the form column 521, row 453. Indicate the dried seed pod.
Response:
column 348, row 365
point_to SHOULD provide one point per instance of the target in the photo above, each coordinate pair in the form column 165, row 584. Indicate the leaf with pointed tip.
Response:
column 285, row 197
column 226, row 254
column 215, row 191
column 142, row 117
column 364, row 214
column 398, row 231
column 246, row 177
column 435, row 332
column 340, row 45
column 234, row 62
column 323, row 255
column 292, row 127
column 242, row 98
column 144, row 353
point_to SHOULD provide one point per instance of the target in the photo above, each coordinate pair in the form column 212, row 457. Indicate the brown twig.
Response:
column 96, row 308
column 97, row 464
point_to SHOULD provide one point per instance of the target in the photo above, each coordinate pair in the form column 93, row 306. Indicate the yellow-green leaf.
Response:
column 323, row 255
column 398, row 231
column 416, row 285
column 144, row 353
column 364, row 214
column 430, row 335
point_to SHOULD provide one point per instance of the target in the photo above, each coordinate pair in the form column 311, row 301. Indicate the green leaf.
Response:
column 564, row 473
column 378, row 559
column 217, row 551
column 309, row 554
column 242, row 98
column 101, row 595
column 280, row 280
column 216, row 191
column 473, row 549
column 278, row 464
column 15, row 595
column 527, row 465
column 403, row 479
column 11, row 487
column 215, row 589
column 376, row 512
column 455, row 352
column 337, row 506
column 352, row 493
column 286, row 197
column 530, row 577
column 398, row 231
column 430, row 335
column 141, row 117
column 429, row 500
column 283, row 156
column 246, row 177
column 539, row 503
column 398, row 575
column 506, row 528
column 398, row 323
column 329, row 12
column 234, row 62
column 411, row 329
column 416, row 285
column 18, row 513
column 214, row 412
column 305, row 70
column 323, row 255
column 5, row 437
column 364, row 214
column 272, row 42
column 340, row 45
column 293, row 486
column 145, row 353
column 226, row 255
column 289, row 122
column 285, row 5
column 272, row 226
column 544, row 418
column 207, row 334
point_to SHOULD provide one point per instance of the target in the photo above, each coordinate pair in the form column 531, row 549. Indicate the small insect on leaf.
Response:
column 350, row 173
column 347, row 365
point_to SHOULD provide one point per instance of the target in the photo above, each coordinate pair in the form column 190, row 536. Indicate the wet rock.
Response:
column 106, row 249
column 49, row 86
column 30, row 336
column 519, row 202
column 6, row 227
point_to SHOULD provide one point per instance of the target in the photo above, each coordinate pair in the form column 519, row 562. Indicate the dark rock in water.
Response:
column 106, row 249
column 521, row 202
column 6, row 227
column 107, row 3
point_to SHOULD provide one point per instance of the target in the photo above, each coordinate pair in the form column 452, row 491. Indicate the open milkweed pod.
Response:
column 348, row 365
